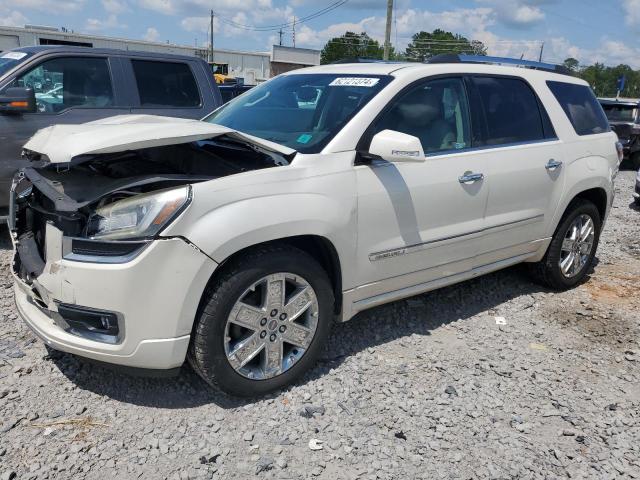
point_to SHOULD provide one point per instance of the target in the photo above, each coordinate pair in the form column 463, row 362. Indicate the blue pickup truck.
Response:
column 47, row 85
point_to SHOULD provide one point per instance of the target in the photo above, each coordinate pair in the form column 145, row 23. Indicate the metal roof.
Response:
column 100, row 51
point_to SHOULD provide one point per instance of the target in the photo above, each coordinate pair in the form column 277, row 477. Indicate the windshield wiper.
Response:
column 277, row 158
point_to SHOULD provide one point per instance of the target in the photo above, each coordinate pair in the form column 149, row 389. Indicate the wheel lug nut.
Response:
column 263, row 333
column 274, row 312
column 272, row 337
column 263, row 322
column 283, row 316
column 282, row 328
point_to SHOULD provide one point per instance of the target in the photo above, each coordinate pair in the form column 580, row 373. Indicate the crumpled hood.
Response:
column 61, row 143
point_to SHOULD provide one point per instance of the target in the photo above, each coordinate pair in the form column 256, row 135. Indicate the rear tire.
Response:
column 549, row 271
column 220, row 345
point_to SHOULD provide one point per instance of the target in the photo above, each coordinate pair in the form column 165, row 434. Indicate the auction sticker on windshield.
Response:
column 14, row 55
column 354, row 82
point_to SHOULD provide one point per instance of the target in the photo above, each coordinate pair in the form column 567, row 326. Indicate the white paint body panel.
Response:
column 399, row 229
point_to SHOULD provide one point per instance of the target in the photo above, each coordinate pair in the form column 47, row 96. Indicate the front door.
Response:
column 68, row 90
column 422, row 221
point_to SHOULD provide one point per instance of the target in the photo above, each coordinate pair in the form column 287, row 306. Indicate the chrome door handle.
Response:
column 552, row 165
column 471, row 178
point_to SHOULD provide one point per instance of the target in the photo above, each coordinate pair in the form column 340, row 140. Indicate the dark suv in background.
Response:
column 43, row 86
column 624, row 119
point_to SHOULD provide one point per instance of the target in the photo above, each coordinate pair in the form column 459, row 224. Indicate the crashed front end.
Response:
column 94, row 276
column 96, row 298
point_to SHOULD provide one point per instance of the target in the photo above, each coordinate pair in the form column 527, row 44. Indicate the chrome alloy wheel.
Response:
column 577, row 246
column 271, row 326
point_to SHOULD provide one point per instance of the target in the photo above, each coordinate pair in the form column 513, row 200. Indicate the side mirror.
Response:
column 18, row 100
column 395, row 146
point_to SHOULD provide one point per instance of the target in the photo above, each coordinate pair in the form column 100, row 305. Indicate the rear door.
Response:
column 68, row 89
column 524, row 166
column 171, row 88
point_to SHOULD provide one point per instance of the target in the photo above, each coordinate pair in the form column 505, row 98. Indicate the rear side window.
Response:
column 512, row 112
column 581, row 106
column 165, row 84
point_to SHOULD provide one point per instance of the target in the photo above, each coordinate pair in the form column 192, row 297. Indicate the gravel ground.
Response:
column 432, row 387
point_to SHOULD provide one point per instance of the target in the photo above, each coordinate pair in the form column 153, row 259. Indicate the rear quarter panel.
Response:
column 590, row 161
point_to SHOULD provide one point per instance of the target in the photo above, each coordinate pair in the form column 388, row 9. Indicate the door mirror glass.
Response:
column 395, row 146
column 18, row 100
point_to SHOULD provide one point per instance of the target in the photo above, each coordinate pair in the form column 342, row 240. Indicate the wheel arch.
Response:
column 320, row 248
column 597, row 196
column 598, row 189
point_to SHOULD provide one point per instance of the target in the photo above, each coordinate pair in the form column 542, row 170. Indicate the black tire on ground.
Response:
column 634, row 160
column 206, row 350
column 547, row 271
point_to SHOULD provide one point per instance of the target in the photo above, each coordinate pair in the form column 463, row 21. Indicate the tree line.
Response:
column 604, row 80
column 425, row 45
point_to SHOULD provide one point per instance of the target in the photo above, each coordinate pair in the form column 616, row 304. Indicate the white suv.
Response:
column 236, row 241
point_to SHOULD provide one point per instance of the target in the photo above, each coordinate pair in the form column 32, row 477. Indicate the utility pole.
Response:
column 294, row 32
column 211, row 39
column 541, row 50
column 280, row 32
column 387, row 33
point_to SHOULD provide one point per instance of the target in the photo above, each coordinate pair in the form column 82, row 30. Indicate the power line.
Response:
column 491, row 42
column 268, row 28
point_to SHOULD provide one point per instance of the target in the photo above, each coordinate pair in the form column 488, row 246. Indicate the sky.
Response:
column 590, row 30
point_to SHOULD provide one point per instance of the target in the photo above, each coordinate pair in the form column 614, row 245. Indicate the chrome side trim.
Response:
column 396, row 252
column 410, row 291
column 490, row 147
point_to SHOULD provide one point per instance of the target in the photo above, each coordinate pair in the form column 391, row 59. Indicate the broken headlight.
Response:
column 139, row 216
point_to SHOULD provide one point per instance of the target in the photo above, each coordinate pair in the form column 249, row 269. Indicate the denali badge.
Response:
column 406, row 153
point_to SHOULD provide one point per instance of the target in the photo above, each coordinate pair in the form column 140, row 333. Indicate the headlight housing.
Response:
column 139, row 216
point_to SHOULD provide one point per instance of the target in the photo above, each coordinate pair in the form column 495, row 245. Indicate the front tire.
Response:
column 572, row 249
column 262, row 322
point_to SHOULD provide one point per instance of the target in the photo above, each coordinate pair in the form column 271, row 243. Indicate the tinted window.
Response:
column 165, row 84
column 581, row 106
column 620, row 113
column 62, row 83
column 511, row 111
column 301, row 111
column 436, row 112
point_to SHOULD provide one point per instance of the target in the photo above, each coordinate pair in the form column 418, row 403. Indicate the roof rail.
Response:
column 364, row 60
column 460, row 58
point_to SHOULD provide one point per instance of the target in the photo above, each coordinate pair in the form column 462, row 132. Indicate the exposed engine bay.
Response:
column 71, row 196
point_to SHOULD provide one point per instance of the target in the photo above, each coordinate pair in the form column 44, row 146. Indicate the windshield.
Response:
column 303, row 112
column 620, row 113
column 9, row 60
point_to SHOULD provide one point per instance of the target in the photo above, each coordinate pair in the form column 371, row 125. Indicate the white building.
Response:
column 253, row 67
